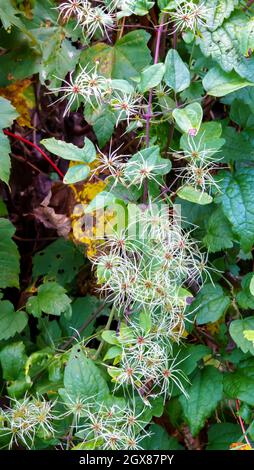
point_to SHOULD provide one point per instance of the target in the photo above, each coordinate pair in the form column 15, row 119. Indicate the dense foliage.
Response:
column 127, row 224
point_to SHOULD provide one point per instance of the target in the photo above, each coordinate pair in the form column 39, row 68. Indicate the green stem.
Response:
column 107, row 327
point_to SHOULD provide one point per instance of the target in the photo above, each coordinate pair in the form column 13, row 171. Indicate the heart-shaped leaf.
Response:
column 189, row 119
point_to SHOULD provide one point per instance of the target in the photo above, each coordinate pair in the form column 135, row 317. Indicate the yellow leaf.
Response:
column 21, row 95
column 249, row 335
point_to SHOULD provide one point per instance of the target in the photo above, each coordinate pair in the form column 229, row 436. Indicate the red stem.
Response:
column 22, row 139
column 237, row 402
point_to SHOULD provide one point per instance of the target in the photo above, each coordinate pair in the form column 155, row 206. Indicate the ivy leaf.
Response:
column 125, row 60
column 210, row 304
column 237, row 331
column 71, row 152
column 240, row 384
column 219, row 235
column 177, row 74
column 189, row 119
column 9, row 256
column 237, row 203
column 151, row 77
column 83, row 379
column 50, row 299
column 204, row 394
column 219, row 83
column 11, row 322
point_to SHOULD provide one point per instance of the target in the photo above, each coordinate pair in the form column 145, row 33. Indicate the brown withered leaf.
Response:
column 50, row 219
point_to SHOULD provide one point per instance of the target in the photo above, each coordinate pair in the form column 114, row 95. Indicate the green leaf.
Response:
column 237, row 329
column 8, row 15
column 189, row 119
column 82, row 310
column 151, row 77
column 59, row 56
column 237, row 146
column 246, row 38
column 60, row 260
column 223, row 46
column 110, row 337
column 189, row 193
column 5, row 161
column 125, row 60
column 160, row 440
column 218, row 11
column 11, row 322
column 252, row 285
column 139, row 8
column 222, row 435
column 83, row 379
column 219, row 235
column 240, row 384
column 219, row 83
column 112, row 353
column 204, row 395
column 208, row 137
column 25, row 59
column 104, row 126
column 7, row 113
column 238, row 204
column 9, row 256
column 50, row 299
column 103, row 199
column 240, row 114
column 13, row 359
column 177, row 74
column 210, row 304
column 156, row 164
column 68, row 151
column 76, row 173
column 244, row 298
column 50, row 333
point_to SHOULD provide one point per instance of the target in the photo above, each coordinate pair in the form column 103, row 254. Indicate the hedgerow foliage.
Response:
column 127, row 224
